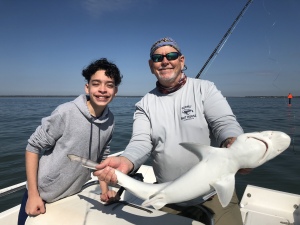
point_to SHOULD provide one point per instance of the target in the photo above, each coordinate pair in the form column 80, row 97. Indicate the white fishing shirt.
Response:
column 162, row 121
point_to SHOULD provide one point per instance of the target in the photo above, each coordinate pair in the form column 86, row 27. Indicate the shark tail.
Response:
column 158, row 201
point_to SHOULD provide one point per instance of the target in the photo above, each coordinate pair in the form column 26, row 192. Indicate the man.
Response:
column 179, row 109
column 83, row 127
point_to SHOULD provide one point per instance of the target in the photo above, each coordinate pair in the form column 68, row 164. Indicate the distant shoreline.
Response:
column 124, row 96
column 269, row 97
column 54, row 96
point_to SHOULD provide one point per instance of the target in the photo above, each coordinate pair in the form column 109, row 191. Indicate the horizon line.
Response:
column 250, row 96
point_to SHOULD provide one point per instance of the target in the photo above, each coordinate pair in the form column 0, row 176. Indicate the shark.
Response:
column 215, row 172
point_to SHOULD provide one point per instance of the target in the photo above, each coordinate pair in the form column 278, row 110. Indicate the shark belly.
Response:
column 138, row 188
column 193, row 185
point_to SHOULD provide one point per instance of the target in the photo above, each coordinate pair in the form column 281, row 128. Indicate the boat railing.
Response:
column 17, row 187
column 12, row 189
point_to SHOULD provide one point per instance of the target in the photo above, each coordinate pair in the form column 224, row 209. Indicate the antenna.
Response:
column 224, row 39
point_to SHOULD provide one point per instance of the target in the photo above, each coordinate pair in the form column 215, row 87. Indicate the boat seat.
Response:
column 268, row 207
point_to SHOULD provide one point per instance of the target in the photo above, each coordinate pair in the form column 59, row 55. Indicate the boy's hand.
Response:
column 110, row 196
column 35, row 206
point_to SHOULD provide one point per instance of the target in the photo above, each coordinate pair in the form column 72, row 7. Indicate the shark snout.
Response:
column 278, row 141
column 281, row 141
column 275, row 142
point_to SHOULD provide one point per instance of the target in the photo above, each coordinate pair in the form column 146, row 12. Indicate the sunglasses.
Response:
column 170, row 56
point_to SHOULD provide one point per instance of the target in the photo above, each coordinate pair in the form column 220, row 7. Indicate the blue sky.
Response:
column 45, row 44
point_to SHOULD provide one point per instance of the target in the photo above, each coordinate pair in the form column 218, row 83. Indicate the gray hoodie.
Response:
column 70, row 129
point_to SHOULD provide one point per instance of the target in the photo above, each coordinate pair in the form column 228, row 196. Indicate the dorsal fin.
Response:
column 201, row 151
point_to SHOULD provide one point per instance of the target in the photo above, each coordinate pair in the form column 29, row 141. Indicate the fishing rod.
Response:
column 225, row 37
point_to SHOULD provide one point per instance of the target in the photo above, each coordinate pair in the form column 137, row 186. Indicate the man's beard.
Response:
column 169, row 78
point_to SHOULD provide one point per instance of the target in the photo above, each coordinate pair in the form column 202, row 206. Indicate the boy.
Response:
column 82, row 127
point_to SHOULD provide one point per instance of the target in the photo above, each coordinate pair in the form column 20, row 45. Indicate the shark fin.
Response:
column 157, row 201
column 201, row 151
column 225, row 188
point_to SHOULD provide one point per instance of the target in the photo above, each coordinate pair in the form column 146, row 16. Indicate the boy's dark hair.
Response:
column 111, row 70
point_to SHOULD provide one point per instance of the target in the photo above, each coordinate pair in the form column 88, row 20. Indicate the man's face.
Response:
column 168, row 72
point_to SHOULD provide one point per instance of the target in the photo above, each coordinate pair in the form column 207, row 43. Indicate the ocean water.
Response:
column 19, row 117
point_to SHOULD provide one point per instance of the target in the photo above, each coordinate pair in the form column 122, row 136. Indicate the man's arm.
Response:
column 219, row 115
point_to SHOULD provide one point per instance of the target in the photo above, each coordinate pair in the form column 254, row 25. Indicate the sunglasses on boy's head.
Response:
column 170, row 56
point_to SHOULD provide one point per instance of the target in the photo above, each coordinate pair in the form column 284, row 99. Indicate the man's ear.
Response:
column 150, row 62
column 182, row 59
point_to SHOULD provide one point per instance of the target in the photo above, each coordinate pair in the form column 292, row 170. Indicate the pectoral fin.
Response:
column 225, row 188
column 157, row 201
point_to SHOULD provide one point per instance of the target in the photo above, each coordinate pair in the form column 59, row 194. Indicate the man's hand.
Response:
column 245, row 171
column 226, row 144
column 105, row 170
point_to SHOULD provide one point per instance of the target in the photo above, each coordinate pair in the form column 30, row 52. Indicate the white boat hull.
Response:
column 259, row 206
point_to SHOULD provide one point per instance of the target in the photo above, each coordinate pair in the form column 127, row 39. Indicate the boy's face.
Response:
column 101, row 89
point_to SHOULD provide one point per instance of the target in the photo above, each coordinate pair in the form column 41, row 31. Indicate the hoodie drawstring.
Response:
column 99, row 153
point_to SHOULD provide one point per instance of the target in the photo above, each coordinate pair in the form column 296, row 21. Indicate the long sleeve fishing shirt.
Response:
column 197, row 112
